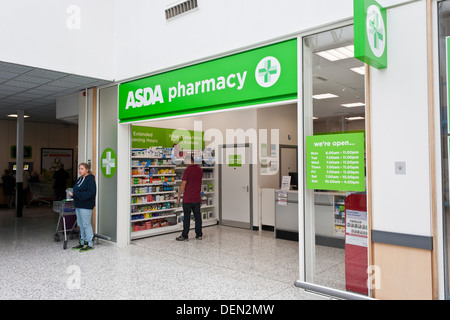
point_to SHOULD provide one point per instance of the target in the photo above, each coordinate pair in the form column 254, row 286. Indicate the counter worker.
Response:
column 83, row 194
column 191, row 185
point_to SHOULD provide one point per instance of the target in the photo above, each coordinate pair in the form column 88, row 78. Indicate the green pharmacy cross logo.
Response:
column 108, row 160
column 375, row 25
column 376, row 31
column 267, row 72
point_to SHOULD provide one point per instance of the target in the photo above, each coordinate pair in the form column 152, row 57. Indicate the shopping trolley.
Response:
column 64, row 208
column 67, row 208
column 41, row 192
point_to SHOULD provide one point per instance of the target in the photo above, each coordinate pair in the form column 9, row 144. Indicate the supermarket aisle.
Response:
column 229, row 263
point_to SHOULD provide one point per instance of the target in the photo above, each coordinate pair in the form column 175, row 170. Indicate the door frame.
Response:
column 288, row 146
column 306, row 199
column 250, row 183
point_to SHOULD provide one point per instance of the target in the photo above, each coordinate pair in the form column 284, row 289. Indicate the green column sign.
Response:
column 335, row 162
column 370, row 33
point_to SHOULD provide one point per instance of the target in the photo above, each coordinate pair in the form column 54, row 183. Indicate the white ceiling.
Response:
column 335, row 77
column 35, row 90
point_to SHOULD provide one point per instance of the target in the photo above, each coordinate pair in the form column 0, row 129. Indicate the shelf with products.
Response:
column 330, row 213
column 155, row 181
column 339, row 215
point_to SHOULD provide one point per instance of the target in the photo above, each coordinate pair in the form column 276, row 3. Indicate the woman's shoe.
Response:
column 78, row 247
column 86, row 248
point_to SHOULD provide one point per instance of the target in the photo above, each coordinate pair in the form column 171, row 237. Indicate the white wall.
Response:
column 283, row 118
column 401, row 203
column 148, row 43
column 44, row 34
column 86, row 127
column 67, row 107
column 120, row 39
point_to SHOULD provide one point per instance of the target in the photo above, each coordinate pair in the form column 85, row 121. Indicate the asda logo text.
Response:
column 149, row 96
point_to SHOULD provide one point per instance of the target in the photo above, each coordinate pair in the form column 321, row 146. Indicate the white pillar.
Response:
column 19, row 163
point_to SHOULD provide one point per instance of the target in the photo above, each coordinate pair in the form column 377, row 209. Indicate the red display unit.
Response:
column 356, row 242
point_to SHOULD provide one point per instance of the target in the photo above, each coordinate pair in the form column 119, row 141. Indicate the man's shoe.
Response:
column 198, row 238
column 181, row 238
column 78, row 247
column 86, row 248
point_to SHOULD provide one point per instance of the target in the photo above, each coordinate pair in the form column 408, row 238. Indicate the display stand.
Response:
column 155, row 181
column 356, row 242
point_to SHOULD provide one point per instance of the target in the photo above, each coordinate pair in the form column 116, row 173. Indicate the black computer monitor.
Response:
column 294, row 180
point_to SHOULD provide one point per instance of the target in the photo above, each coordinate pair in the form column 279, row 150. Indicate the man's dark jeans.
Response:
column 195, row 207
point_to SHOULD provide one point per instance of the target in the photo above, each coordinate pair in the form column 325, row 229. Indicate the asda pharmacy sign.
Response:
column 262, row 75
column 370, row 33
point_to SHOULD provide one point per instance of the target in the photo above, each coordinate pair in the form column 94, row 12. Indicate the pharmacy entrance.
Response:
column 239, row 117
column 219, row 112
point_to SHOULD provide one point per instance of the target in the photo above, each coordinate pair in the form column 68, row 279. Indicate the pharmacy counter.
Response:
column 286, row 214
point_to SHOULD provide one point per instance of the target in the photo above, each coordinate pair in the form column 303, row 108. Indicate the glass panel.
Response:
column 444, row 31
column 333, row 105
column 107, row 185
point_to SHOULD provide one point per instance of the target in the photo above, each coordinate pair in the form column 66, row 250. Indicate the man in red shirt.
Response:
column 191, row 185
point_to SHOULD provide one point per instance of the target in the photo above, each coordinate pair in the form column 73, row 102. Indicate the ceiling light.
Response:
column 360, row 70
column 354, row 118
column 324, row 96
column 315, row 118
column 338, row 53
column 15, row 116
column 353, row 105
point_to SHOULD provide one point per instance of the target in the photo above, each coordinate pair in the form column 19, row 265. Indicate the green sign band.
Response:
column 262, row 75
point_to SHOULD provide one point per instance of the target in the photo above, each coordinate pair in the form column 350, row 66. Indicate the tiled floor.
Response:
column 229, row 263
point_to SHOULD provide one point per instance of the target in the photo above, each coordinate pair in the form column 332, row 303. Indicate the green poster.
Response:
column 370, row 33
column 261, row 75
column 335, row 162
column 186, row 139
column 145, row 137
column 27, row 152
column 235, row 160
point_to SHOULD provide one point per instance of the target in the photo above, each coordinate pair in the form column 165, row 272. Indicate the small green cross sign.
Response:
column 267, row 72
column 108, row 163
column 370, row 33
column 376, row 30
